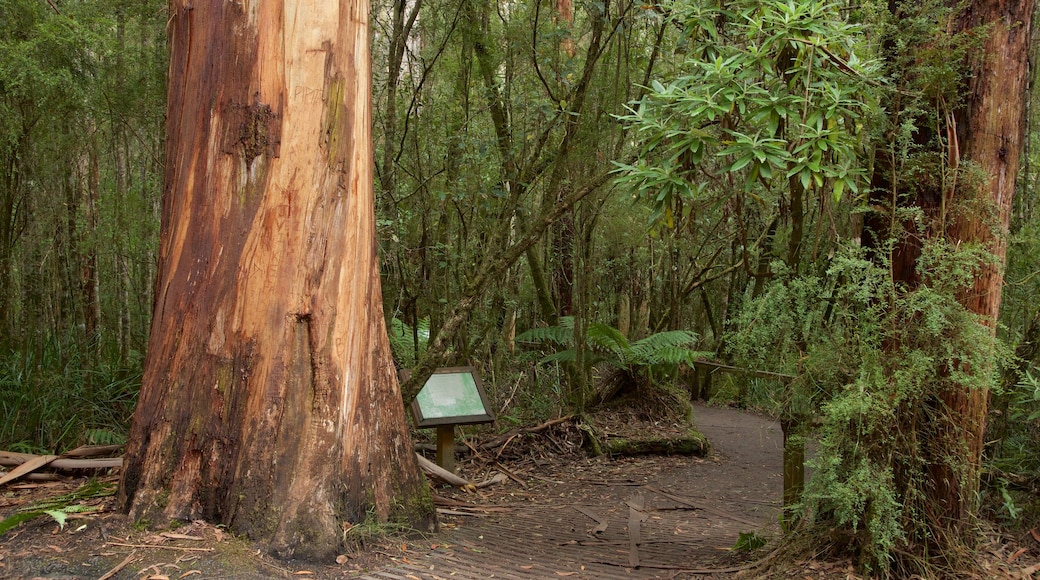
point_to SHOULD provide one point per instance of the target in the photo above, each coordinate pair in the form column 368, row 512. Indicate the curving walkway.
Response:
column 658, row 518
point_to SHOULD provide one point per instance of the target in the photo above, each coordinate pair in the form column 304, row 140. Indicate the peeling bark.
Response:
column 269, row 400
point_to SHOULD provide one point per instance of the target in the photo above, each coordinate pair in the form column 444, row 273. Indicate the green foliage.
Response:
column 407, row 343
column 658, row 355
column 774, row 92
column 59, row 508
column 749, row 542
column 46, row 406
column 873, row 357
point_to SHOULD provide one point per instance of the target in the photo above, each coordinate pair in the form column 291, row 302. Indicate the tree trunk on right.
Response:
column 982, row 138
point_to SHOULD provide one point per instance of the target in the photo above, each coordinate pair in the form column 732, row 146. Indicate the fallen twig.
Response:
column 498, row 478
column 448, row 512
column 129, row 559
column 162, row 547
column 505, row 437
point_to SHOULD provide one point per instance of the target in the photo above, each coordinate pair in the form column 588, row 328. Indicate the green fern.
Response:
column 562, row 334
column 672, row 347
column 402, row 340
column 59, row 508
column 603, row 338
column 656, row 355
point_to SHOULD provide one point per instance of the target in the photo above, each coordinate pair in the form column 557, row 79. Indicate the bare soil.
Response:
column 555, row 513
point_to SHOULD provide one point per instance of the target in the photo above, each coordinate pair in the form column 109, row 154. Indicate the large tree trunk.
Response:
column 983, row 139
column 990, row 135
column 269, row 400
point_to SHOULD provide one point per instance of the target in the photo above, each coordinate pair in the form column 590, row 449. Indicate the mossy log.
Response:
column 692, row 442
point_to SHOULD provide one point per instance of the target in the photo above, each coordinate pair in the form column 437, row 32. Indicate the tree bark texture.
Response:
column 270, row 401
column 990, row 134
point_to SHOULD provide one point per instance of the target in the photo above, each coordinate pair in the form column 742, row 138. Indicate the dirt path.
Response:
column 560, row 516
column 681, row 515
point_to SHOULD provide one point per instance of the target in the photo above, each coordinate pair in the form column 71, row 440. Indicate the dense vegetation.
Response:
column 599, row 175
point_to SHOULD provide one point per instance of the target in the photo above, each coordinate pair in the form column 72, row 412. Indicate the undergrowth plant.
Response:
column 63, row 397
column 879, row 356
column 408, row 342
column 59, row 508
column 653, row 361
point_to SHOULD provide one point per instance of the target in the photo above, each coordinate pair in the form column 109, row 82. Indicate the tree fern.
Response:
column 604, row 338
column 562, row 334
column 672, row 346
column 657, row 355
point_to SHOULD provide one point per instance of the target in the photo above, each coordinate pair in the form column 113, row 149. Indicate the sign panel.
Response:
column 452, row 396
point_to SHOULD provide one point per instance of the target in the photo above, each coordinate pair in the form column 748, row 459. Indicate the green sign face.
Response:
column 452, row 396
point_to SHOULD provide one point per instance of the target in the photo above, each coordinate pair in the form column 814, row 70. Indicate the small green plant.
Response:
column 749, row 542
column 59, row 508
column 372, row 530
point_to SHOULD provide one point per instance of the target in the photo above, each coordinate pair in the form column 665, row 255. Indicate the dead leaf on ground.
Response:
column 1016, row 555
column 1028, row 572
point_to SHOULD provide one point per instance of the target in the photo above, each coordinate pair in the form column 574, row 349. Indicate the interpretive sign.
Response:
column 452, row 396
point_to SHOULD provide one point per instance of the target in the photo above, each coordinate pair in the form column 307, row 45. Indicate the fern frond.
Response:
column 569, row 355
column 676, row 355
column 649, row 350
column 605, row 337
column 562, row 333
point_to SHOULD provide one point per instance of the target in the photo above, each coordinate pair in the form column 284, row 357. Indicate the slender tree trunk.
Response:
column 269, row 400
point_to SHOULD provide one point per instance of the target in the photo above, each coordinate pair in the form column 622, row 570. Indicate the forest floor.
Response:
column 553, row 513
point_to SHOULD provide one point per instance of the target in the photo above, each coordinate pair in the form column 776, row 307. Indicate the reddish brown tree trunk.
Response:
column 990, row 133
column 269, row 400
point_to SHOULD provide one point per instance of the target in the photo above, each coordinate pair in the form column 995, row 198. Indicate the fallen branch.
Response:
column 696, row 571
column 704, row 507
column 27, row 467
column 10, row 458
column 433, row 470
column 93, row 451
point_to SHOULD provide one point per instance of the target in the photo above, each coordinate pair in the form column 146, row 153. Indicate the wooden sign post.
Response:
column 452, row 396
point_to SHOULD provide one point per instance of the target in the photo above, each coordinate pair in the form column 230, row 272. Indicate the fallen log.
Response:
column 26, row 464
column 436, row 471
column 11, row 459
